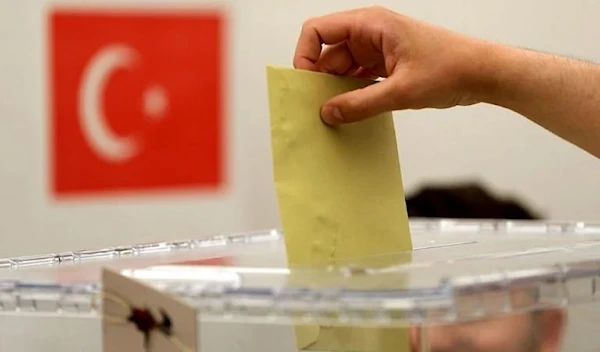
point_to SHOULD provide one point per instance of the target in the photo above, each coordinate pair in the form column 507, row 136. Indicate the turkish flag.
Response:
column 136, row 100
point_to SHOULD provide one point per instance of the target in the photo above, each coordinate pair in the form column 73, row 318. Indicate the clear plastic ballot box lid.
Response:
column 458, row 272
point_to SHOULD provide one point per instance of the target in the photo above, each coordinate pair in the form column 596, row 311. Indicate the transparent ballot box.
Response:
column 466, row 286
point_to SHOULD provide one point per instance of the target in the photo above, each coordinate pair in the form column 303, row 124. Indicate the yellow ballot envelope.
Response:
column 339, row 192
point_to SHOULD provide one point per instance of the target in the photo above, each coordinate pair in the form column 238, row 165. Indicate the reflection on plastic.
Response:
column 540, row 331
column 185, row 273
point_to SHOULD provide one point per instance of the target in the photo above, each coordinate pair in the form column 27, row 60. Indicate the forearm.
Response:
column 559, row 94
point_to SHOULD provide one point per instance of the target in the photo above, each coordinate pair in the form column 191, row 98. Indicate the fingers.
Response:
column 339, row 60
column 336, row 30
column 363, row 72
column 336, row 59
column 331, row 29
column 362, row 103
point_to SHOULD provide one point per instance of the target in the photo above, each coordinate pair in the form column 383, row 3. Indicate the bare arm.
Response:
column 559, row 94
column 426, row 66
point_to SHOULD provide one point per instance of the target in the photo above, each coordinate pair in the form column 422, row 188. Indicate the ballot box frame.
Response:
column 556, row 284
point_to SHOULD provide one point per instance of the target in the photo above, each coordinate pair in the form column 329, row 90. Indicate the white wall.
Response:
column 507, row 151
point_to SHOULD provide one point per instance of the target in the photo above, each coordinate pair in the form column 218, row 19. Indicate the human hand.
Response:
column 424, row 66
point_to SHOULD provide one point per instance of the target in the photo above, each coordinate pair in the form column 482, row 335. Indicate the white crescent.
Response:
column 100, row 137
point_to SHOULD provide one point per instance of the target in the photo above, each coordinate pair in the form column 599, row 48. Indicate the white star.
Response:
column 155, row 102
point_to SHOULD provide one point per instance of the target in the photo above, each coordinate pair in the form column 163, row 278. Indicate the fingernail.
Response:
column 332, row 115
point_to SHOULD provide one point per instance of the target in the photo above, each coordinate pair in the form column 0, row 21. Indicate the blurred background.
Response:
column 138, row 121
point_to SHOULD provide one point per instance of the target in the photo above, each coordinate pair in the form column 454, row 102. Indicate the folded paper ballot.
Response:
column 339, row 191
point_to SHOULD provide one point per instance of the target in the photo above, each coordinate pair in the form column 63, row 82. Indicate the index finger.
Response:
column 330, row 29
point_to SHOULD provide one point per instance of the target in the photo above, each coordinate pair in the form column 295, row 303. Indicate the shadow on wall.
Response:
column 466, row 200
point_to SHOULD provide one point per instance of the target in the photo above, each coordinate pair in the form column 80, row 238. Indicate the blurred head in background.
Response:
column 467, row 200
column 540, row 331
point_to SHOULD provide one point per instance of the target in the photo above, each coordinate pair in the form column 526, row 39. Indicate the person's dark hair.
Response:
column 465, row 201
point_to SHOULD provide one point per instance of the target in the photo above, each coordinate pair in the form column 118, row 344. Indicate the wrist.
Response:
column 493, row 73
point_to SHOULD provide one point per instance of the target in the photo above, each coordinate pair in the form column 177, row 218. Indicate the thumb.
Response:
column 361, row 103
